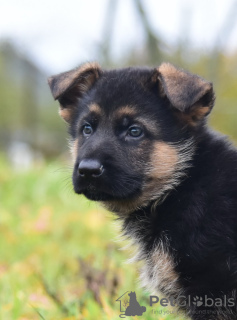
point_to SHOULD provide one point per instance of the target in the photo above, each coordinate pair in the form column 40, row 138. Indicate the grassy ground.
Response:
column 58, row 254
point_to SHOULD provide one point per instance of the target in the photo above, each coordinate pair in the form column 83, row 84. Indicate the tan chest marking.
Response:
column 159, row 275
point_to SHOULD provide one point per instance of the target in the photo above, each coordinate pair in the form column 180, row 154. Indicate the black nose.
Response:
column 90, row 168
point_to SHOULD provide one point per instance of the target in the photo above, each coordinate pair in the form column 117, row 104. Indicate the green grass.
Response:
column 58, row 254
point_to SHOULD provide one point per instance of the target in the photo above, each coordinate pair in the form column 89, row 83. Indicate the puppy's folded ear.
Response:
column 67, row 87
column 191, row 96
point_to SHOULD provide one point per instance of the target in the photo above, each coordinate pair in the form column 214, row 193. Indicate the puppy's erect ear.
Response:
column 67, row 87
column 191, row 96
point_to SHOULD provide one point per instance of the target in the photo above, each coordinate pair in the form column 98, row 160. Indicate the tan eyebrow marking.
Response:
column 95, row 108
column 125, row 111
column 149, row 124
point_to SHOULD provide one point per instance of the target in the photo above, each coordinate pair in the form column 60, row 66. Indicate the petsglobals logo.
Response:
column 162, row 307
column 129, row 306
column 197, row 301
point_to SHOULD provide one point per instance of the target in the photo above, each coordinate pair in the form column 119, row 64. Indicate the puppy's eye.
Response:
column 135, row 131
column 87, row 130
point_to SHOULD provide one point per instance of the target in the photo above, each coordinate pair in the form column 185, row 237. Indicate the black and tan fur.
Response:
column 141, row 147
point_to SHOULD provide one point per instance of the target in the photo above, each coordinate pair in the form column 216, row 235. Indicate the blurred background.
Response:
column 58, row 255
column 38, row 39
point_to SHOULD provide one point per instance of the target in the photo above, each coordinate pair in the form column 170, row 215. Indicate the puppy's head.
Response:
column 133, row 130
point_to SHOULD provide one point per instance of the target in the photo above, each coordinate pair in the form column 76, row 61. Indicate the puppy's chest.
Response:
column 158, row 273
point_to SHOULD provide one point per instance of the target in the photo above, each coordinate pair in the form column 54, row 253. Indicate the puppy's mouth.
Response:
column 97, row 196
column 94, row 194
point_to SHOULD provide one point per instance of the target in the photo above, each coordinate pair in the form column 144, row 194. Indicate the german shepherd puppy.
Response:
column 141, row 146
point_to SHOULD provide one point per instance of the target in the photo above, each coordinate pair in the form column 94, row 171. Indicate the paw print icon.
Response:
column 197, row 301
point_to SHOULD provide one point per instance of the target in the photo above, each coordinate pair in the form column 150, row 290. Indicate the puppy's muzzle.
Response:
column 90, row 168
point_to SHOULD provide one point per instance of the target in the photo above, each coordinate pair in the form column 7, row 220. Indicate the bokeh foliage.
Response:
column 59, row 254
